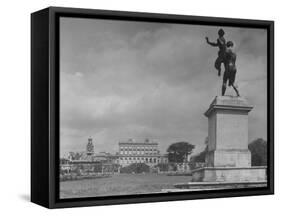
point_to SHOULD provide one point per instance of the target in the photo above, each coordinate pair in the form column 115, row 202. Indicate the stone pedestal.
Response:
column 228, row 159
column 228, row 132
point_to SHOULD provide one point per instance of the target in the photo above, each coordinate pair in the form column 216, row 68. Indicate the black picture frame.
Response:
column 45, row 106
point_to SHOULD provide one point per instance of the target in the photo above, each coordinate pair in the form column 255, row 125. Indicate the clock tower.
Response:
column 90, row 147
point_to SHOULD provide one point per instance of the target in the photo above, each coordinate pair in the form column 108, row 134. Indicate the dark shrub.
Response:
column 258, row 150
column 136, row 168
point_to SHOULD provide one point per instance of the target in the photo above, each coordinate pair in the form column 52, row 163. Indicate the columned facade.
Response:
column 139, row 152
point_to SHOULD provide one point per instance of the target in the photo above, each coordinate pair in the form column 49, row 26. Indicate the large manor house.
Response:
column 129, row 152
column 140, row 152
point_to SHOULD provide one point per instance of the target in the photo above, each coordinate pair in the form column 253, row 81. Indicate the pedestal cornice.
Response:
column 229, row 103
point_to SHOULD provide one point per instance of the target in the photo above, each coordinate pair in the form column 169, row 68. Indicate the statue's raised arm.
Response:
column 211, row 43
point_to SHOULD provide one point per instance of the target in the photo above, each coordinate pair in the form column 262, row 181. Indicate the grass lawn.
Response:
column 119, row 185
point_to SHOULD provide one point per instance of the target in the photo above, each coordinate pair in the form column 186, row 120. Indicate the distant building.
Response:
column 129, row 152
column 90, row 147
column 65, row 167
column 87, row 155
column 140, row 152
column 106, row 158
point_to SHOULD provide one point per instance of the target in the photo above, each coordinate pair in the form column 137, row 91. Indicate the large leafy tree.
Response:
column 178, row 152
column 258, row 150
column 200, row 157
column 75, row 155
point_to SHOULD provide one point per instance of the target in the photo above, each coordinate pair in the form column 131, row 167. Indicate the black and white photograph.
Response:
column 140, row 107
column 150, row 107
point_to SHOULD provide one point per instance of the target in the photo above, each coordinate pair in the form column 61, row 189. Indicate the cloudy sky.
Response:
column 122, row 80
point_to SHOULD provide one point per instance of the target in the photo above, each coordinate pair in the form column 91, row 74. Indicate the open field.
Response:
column 119, row 185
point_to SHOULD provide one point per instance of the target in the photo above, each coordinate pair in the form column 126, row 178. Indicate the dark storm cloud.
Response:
column 139, row 80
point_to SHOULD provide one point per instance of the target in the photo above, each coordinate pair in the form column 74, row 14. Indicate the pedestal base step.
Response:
column 220, row 185
column 229, row 174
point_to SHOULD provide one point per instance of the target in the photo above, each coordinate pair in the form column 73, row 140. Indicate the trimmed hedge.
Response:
column 136, row 168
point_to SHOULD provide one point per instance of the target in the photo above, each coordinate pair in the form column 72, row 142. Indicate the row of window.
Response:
column 148, row 160
column 138, row 149
column 138, row 153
